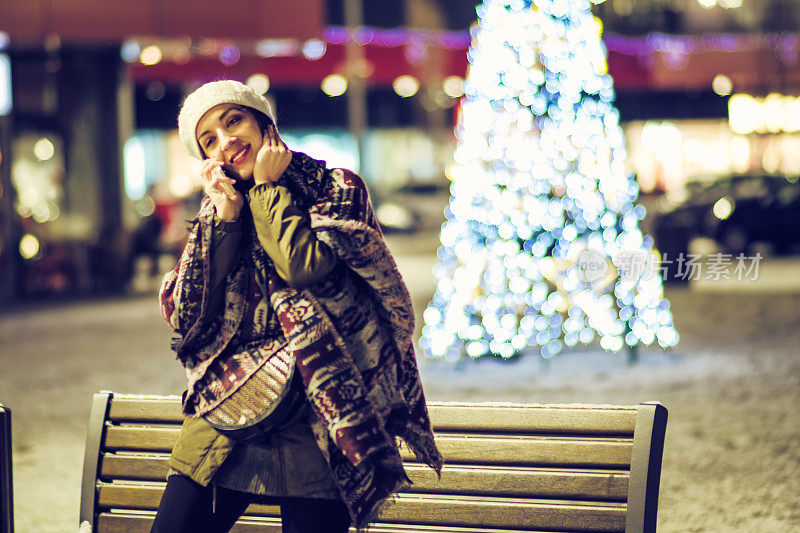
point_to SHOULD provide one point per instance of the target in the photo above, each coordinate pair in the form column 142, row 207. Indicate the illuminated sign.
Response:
column 773, row 114
column 5, row 85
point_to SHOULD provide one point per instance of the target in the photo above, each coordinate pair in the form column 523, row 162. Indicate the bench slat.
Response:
column 140, row 523
column 512, row 418
column 146, row 497
column 141, row 438
column 485, row 512
column 518, row 482
column 467, row 480
column 455, row 448
column 507, row 513
column 521, row 419
column 532, row 451
column 128, row 496
column 134, row 467
column 127, row 408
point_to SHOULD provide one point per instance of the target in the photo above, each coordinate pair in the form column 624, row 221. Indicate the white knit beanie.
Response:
column 208, row 96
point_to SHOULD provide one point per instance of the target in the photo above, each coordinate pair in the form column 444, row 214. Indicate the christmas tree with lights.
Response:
column 541, row 249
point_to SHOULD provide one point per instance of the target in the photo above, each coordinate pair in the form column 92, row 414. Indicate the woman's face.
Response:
column 231, row 135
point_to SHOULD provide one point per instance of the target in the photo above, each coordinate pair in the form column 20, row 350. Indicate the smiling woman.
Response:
column 223, row 125
column 294, row 327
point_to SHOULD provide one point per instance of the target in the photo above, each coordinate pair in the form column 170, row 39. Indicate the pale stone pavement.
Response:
column 732, row 458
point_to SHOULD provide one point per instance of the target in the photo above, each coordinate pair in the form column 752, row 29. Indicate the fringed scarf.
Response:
column 350, row 336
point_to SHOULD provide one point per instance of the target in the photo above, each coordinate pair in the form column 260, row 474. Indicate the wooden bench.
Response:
column 507, row 468
column 6, row 484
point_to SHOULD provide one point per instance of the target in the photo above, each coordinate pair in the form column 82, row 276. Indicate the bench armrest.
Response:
column 648, row 448
column 91, row 460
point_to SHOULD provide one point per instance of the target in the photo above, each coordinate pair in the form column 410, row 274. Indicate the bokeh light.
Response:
column 453, row 86
column 130, row 51
column 722, row 85
column 151, row 55
column 44, row 149
column 405, row 86
column 334, row 85
column 259, row 83
column 29, row 247
column 229, row 55
column 314, row 49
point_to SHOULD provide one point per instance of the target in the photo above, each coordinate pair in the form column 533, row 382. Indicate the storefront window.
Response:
column 37, row 175
column 49, row 244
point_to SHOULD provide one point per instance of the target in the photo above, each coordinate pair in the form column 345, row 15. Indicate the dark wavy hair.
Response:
column 263, row 120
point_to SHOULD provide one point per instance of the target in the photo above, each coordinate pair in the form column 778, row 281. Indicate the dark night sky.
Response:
column 389, row 13
column 460, row 13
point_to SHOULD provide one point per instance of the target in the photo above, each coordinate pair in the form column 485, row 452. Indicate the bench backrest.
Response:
column 507, row 467
column 6, row 484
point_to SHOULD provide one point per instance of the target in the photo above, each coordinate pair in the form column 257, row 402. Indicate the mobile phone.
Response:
column 227, row 188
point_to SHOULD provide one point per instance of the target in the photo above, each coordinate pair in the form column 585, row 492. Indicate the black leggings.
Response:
column 187, row 507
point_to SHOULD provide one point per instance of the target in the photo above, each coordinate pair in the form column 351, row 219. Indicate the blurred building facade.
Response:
column 91, row 152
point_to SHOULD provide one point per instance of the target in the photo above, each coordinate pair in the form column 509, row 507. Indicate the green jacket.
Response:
column 300, row 259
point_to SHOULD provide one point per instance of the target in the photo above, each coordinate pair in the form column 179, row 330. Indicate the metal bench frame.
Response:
column 6, row 478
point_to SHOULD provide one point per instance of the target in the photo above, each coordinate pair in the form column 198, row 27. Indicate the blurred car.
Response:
column 414, row 207
column 739, row 214
column 396, row 218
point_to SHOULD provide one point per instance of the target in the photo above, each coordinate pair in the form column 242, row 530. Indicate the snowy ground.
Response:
column 732, row 387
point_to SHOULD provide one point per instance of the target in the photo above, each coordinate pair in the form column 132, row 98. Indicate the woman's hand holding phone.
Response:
column 272, row 159
column 219, row 187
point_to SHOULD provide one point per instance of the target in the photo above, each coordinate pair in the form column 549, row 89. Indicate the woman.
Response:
column 287, row 306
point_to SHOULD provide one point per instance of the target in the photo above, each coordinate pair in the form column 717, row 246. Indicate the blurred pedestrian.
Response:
column 146, row 241
column 294, row 327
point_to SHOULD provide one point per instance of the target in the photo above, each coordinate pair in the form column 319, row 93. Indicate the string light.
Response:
column 541, row 232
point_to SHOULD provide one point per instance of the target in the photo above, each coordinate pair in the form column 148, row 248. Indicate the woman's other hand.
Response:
column 272, row 159
column 219, row 187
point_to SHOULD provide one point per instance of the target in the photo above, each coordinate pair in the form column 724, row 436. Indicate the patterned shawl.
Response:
column 350, row 336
